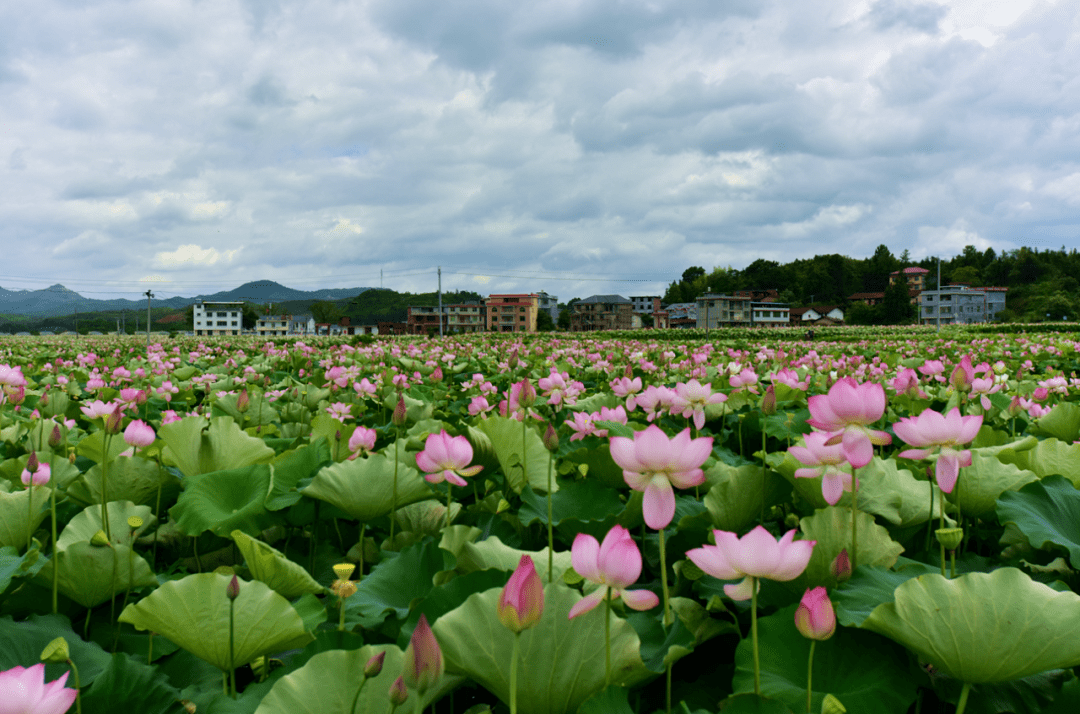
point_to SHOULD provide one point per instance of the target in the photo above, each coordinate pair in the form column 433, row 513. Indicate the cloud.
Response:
column 193, row 255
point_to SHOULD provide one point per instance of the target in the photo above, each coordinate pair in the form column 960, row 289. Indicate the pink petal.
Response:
column 832, row 487
column 741, row 591
column 947, row 470
column 659, row 504
column 619, row 559
column 640, row 599
column 588, row 602
column 584, row 556
column 711, row 560
column 857, row 448
column 622, row 452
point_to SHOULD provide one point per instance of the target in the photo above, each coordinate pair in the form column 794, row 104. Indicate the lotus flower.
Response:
column 522, row 601
column 845, row 412
column 933, row 432
column 691, row 398
column 362, row 441
column 447, row 458
column 652, row 463
column 23, row 691
column 756, row 555
column 825, row 460
column 614, row 564
column 139, row 433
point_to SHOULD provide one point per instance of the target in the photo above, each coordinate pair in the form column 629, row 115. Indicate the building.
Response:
column 273, row 325
column 645, row 304
column 810, row 315
column 954, row 305
column 549, row 304
column 218, row 318
column 915, row 277
column 302, row 325
column 713, row 311
column 682, row 315
column 602, row 312
column 512, row 313
column 872, row 299
column 770, row 314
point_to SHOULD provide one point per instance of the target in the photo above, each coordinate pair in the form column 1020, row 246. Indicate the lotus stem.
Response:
column 105, row 488
column 810, row 677
column 514, row 671
column 607, row 639
column 195, row 551
column 232, row 635
column 524, row 450
column 754, row 635
column 78, row 684
column 360, row 567
column 356, row 699
column 550, row 525
column 150, row 649
column 56, row 562
column 663, row 581
column 314, row 538
column 960, row 705
column 393, row 497
column 448, row 488
column 764, row 468
column 29, row 515
column 942, row 544
column 854, row 522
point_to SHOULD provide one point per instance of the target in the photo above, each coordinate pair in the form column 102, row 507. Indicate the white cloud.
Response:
column 193, row 256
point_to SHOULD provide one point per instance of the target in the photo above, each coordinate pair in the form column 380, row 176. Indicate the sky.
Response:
column 578, row 147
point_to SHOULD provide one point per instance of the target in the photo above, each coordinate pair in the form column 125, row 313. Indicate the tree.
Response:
column 564, row 319
column 878, row 269
column 325, row 312
column 896, row 307
column 249, row 316
column 968, row 275
column 544, row 323
column 692, row 273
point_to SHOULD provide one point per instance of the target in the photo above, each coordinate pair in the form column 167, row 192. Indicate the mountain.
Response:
column 57, row 300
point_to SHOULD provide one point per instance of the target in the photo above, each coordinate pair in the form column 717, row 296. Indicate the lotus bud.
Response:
column 522, row 601
column 32, row 463
column 832, row 705
column 55, row 437
column 232, row 591
column 398, row 693
column 423, row 658
column 56, row 651
column 628, row 372
column 113, row 421
column 551, row 438
column 243, row 401
column 374, row 665
column 815, row 617
column 841, row 566
column 99, row 539
column 437, row 375
column 398, row 418
column 768, row 401
column 527, row 395
column 791, row 520
column 44, row 400
column 950, row 537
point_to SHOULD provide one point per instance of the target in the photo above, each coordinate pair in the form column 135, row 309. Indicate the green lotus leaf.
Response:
column 330, row 681
column 13, row 565
column 364, row 487
column 93, row 446
column 395, row 584
column 1049, row 457
column 193, row 612
column 132, row 479
column 735, row 494
column 610, row 700
column 896, row 489
column 493, row 553
column 223, row 501
column 1045, row 512
column 864, row 671
column 415, row 409
column 130, row 685
column 831, row 528
column 63, row 471
column 260, row 410
column 85, row 524
column 198, row 448
column 562, row 660
column 294, row 466
column 1063, row 422
column 17, row 520
column 983, row 627
column 90, row 574
column 752, row 704
column 269, row 565
column 585, row 500
column 868, row 587
column 979, row 486
column 598, row 464
column 506, row 440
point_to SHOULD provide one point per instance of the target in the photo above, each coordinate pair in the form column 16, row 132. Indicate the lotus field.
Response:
column 881, row 522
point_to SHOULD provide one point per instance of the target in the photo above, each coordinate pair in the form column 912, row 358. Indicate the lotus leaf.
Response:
column 85, row 524
column 735, row 493
column 1063, row 422
column 269, row 565
column 198, row 448
column 364, row 487
column 193, row 612
column 15, row 520
column 130, row 685
column 563, row 659
column 90, row 574
column 1045, row 512
column 1049, row 457
column 223, row 501
column 21, row 643
column 983, row 627
column 493, row 553
column 132, row 479
column 93, row 446
column 506, row 440
column 980, row 485
column 831, row 528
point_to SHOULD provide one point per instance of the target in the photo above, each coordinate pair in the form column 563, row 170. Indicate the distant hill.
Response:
column 57, row 300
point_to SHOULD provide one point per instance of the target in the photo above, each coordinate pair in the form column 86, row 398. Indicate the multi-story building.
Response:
column 465, row 317
column 549, row 304
column 955, row 304
column 682, row 315
column 512, row 313
column 714, row 310
column 302, row 325
column 645, row 304
column 914, row 276
column 273, row 325
column 602, row 312
column 770, row 314
column 218, row 318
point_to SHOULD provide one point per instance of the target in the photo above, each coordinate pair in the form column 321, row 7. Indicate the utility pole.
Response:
column 76, row 320
column 440, row 302
column 148, row 296
column 380, row 278
column 939, row 294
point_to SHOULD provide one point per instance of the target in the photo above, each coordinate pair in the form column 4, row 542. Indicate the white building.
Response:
column 218, row 318
column 273, row 325
column 960, row 304
column 645, row 304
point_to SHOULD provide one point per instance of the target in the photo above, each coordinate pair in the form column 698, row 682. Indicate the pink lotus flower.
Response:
column 933, row 368
column 479, row 406
column 984, row 386
column 626, row 387
column 825, row 460
column 38, row 474
column 340, row 411
column 691, row 398
column 653, row 400
column 139, row 433
column 98, row 409
column 756, row 555
column 617, row 415
column 846, row 412
column 746, row 380
column 12, row 376
column 23, row 691
column 907, row 382
column 815, row 617
column 614, row 564
column 169, row 416
column 582, row 425
column 560, row 389
column 522, row 601
column 362, row 441
column 791, row 378
column 447, row 458
column 939, row 434
column 652, row 463
column 423, row 659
